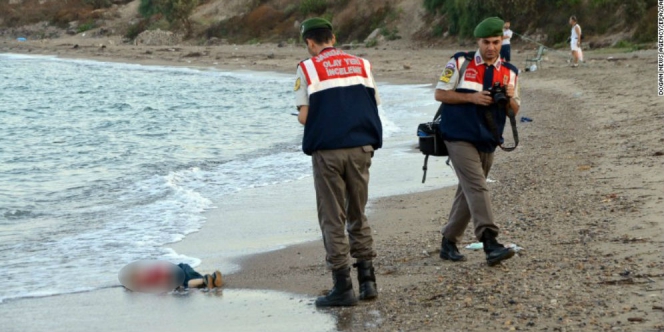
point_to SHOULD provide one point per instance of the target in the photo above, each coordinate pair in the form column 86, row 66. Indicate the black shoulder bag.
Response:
column 429, row 134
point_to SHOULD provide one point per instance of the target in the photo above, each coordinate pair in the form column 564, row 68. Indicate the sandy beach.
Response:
column 582, row 194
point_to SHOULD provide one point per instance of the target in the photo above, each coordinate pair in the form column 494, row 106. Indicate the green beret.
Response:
column 314, row 23
column 490, row 27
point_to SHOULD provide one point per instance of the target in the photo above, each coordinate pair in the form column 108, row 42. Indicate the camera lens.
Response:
column 500, row 98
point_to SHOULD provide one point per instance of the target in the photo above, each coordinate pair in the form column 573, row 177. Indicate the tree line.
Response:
column 596, row 16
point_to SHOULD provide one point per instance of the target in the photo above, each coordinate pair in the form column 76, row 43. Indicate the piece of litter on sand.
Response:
column 479, row 246
column 475, row 246
column 514, row 246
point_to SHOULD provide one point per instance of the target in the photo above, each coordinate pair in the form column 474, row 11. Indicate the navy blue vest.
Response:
column 342, row 103
column 467, row 122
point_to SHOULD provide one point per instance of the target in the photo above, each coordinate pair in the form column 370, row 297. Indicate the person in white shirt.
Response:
column 506, row 48
column 575, row 41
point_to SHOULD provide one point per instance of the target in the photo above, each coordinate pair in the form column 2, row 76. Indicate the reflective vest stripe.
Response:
column 470, row 86
column 310, row 72
column 316, row 85
column 339, row 82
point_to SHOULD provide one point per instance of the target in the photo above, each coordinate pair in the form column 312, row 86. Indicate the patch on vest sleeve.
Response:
column 447, row 75
column 298, row 84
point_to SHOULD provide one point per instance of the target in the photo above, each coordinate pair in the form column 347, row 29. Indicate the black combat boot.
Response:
column 495, row 252
column 367, row 280
column 450, row 252
column 342, row 294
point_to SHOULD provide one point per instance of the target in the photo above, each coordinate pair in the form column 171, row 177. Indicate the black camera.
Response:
column 499, row 94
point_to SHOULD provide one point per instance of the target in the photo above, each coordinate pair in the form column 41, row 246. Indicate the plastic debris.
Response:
column 21, row 39
column 479, row 246
column 475, row 246
column 514, row 246
column 525, row 119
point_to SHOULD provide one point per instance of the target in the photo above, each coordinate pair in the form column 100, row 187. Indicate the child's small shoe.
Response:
column 209, row 281
column 218, row 280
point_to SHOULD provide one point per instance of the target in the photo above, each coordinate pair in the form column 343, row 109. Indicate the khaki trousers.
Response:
column 341, row 179
column 472, row 196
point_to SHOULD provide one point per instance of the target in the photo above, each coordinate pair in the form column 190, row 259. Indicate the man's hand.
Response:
column 481, row 98
column 303, row 113
column 510, row 90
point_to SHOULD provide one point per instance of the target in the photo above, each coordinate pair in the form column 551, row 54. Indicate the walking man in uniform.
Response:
column 470, row 139
column 337, row 101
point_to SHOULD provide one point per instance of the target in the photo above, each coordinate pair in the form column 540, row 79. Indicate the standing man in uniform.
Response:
column 506, row 48
column 470, row 139
column 338, row 102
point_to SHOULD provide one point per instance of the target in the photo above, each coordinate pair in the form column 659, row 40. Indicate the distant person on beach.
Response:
column 575, row 41
column 337, row 100
column 470, row 140
column 506, row 48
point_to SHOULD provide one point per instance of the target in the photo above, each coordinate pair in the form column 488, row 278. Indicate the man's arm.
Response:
column 479, row 98
column 302, row 115
column 447, row 84
column 515, row 101
column 301, row 96
column 514, row 106
column 376, row 95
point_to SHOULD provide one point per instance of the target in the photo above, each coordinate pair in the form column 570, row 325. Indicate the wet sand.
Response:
column 118, row 310
column 582, row 194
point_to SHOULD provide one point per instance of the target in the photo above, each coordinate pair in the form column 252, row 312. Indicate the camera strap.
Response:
column 494, row 129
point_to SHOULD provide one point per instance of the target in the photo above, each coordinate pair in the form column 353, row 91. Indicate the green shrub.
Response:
column 161, row 24
column 135, row 29
column 438, row 31
column 312, row 6
column 97, row 4
column 176, row 12
column 147, row 8
column 646, row 31
column 328, row 16
column 434, row 6
column 290, row 9
column 390, row 34
column 85, row 27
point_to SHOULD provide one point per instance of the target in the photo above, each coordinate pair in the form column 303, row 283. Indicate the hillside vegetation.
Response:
column 277, row 20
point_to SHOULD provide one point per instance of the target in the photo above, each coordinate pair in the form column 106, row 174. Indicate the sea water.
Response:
column 102, row 163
